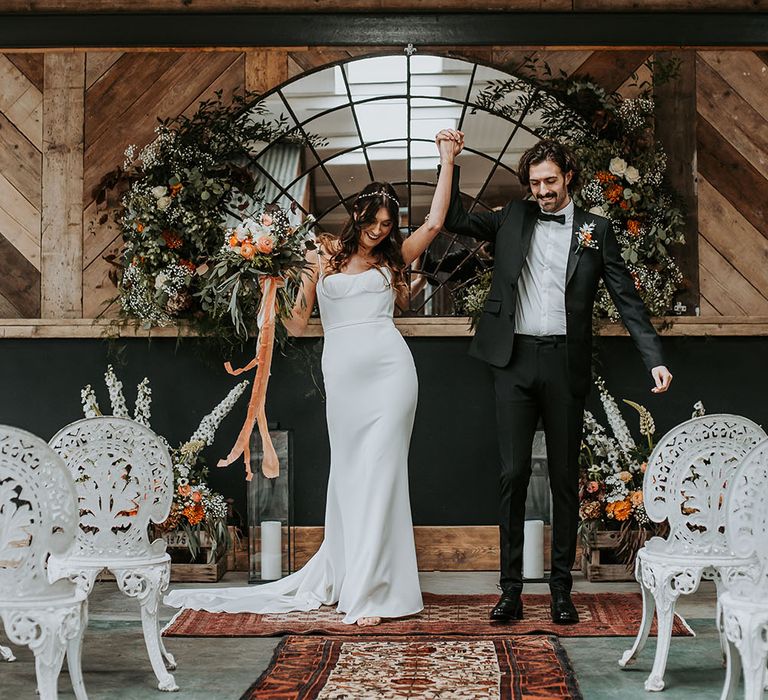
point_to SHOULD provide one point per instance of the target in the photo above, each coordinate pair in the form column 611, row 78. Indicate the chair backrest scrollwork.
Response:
column 687, row 477
column 747, row 509
column 38, row 514
column 123, row 475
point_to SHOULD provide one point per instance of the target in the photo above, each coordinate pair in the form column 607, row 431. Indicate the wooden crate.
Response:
column 199, row 573
column 598, row 557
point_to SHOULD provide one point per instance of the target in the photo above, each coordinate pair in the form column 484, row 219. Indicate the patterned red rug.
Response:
column 602, row 615
column 524, row 668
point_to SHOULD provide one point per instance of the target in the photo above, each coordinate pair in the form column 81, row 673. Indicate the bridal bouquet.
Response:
column 612, row 471
column 258, row 248
column 197, row 511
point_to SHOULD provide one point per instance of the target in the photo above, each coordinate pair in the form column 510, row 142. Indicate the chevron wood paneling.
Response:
column 125, row 96
column 21, row 137
column 732, row 148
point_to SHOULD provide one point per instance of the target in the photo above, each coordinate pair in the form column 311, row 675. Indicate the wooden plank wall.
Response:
column 123, row 94
column 732, row 148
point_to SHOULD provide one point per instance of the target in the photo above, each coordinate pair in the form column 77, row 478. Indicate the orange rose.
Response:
column 233, row 241
column 266, row 220
column 139, row 226
column 247, row 250
column 636, row 497
column 197, row 496
column 625, row 476
column 265, row 245
column 185, row 490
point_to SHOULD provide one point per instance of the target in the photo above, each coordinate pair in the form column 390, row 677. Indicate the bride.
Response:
column 367, row 561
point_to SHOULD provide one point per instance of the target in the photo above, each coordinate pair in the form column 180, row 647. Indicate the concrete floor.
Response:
column 116, row 666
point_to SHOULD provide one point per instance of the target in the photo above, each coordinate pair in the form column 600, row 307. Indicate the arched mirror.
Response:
column 375, row 119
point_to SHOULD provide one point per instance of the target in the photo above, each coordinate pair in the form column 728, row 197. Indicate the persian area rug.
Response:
column 602, row 615
column 400, row 668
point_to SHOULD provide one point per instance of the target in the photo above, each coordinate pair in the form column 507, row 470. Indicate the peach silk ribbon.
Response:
column 270, row 465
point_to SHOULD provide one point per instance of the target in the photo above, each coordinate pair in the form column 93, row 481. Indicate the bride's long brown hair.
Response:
column 388, row 253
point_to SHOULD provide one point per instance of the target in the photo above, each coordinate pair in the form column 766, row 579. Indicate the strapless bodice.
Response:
column 346, row 300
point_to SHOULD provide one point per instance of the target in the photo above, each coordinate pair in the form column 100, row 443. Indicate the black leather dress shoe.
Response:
column 509, row 607
column 562, row 608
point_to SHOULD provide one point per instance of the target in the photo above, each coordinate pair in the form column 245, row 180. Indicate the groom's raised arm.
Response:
column 483, row 225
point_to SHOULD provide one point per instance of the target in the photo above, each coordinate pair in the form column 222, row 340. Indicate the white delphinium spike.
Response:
column 90, row 404
column 116, row 397
column 698, row 410
column 615, row 419
column 142, row 410
column 647, row 426
column 208, row 426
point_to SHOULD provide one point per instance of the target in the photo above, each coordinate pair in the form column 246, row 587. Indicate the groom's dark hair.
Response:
column 547, row 149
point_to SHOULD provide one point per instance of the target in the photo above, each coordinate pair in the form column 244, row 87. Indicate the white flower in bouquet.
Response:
column 698, row 410
column 618, row 166
column 159, row 191
column 116, row 398
column 240, row 232
column 632, row 175
column 164, row 202
column 160, row 280
column 598, row 210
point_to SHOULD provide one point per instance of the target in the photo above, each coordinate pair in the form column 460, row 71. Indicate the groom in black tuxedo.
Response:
column 536, row 333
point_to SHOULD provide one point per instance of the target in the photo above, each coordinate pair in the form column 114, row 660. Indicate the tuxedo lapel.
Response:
column 529, row 223
column 574, row 250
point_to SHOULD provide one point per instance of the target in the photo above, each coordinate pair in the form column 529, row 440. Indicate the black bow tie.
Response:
column 560, row 218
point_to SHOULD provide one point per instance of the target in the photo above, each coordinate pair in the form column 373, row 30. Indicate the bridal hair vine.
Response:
column 380, row 193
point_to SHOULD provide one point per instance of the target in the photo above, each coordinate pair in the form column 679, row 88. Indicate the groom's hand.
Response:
column 450, row 143
column 663, row 378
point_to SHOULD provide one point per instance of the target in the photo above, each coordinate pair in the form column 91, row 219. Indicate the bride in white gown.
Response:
column 367, row 561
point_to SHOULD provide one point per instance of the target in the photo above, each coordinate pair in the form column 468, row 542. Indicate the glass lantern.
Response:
column 270, row 511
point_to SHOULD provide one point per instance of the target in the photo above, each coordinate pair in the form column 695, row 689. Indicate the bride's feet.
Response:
column 368, row 621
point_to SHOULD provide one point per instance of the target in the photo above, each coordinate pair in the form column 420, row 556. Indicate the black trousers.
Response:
column 535, row 385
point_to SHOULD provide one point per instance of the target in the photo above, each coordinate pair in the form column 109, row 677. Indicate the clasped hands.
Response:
column 450, row 143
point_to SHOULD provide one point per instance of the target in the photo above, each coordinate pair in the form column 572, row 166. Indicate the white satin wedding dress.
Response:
column 367, row 561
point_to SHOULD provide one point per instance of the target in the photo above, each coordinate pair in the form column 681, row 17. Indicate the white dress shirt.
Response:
column 541, row 288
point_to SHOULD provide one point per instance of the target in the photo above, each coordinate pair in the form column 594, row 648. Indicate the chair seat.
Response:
column 670, row 557
column 53, row 599
column 99, row 563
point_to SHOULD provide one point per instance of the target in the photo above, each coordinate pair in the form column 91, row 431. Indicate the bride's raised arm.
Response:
column 449, row 143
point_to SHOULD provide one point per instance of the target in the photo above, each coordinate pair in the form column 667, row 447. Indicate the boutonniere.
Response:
column 585, row 236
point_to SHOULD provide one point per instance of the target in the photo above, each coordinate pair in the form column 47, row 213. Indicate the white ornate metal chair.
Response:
column 742, row 607
column 124, row 479
column 38, row 516
column 685, row 483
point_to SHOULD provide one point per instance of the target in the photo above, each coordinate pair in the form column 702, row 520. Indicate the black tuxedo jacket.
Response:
column 511, row 229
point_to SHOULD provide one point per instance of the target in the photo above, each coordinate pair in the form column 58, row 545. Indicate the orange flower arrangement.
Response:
column 619, row 510
column 194, row 514
column 172, row 240
column 265, row 245
column 613, row 193
column 605, row 177
column 633, row 226
column 247, row 250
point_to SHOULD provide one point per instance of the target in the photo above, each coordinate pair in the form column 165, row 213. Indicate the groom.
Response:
column 536, row 333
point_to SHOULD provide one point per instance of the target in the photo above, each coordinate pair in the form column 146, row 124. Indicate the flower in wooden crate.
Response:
column 195, row 509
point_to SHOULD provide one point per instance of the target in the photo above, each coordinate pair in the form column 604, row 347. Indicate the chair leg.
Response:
column 75, row 655
column 732, row 671
column 649, row 607
column 147, row 585
column 6, row 654
column 670, row 584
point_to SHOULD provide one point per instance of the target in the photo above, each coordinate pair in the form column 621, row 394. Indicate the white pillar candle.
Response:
column 533, row 549
column 271, row 550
